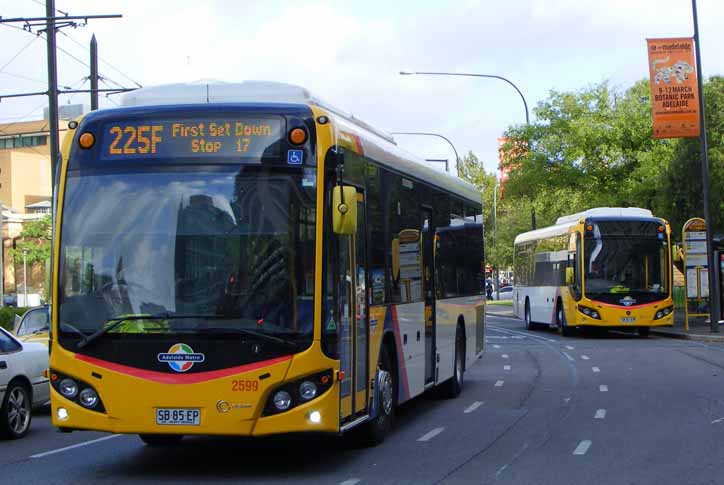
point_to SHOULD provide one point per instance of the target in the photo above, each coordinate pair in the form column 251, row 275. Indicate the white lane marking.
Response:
column 77, row 445
column 585, row 357
column 351, row 481
column 582, row 447
column 717, row 421
column 430, row 435
column 496, row 346
column 603, row 388
column 567, row 399
column 568, row 356
column 506, row 367
column 595, row 369
column 600, row 414
column 499, row 384
column 473, row 407
column 505, row 356
column 570, row 347
column 521, row 334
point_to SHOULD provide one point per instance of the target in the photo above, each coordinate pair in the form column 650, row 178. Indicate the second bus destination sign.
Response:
column 224, row 138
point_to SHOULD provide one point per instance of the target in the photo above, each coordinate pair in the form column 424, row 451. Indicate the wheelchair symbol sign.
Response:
column 294, row 157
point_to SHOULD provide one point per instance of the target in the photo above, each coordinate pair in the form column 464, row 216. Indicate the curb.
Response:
column 683, row 336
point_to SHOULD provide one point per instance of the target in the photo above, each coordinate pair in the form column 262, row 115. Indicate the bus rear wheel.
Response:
column 452, row 387
column 161, row 439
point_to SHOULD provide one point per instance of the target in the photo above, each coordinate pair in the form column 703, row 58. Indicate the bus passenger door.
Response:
column 354, row 329
column 428, row 252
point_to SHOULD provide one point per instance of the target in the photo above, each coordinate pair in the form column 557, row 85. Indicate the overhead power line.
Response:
column 18, row 53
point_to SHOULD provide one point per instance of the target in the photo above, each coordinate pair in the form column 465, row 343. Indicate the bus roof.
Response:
column 374, row 142
column 564, row 223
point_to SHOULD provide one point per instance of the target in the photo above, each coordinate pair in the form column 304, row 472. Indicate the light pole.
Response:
column 412, row 73
column 457, row 158
column 25, row 278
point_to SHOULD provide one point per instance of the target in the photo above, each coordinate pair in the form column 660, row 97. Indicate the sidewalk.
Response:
column 698, row 328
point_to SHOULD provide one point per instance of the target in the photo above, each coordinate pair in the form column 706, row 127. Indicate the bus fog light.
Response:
column 62, row 414
column 315, row 417
column 282, row 400
column 307, row 390
column 68, row 388
column 88, row 397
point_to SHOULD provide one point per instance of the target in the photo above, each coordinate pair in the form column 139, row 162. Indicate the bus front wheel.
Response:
column 529, row 325
column 561, row 320
column 377, row 428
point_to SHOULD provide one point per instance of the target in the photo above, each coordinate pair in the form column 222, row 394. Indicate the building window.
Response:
column 23, row 141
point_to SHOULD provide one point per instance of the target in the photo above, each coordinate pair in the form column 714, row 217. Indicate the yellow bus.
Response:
column 245, row 259
column 604, row 267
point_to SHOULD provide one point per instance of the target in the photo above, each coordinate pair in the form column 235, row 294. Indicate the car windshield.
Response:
column 617, row 265
column 235, row 243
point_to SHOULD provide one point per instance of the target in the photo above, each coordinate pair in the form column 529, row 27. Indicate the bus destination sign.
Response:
column 192, row 138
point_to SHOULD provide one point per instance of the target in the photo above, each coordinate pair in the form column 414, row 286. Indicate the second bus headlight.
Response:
column 88, row 397
column 282, row 400
column 307, row 390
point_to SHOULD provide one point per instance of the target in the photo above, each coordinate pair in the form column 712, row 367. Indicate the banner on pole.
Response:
column 674, row 90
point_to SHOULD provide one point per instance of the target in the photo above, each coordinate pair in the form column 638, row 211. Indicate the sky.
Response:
column 350, row 54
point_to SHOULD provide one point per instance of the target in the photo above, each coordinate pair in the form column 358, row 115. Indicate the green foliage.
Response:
column 594, row 148
column 7, row 316
column 34, row 241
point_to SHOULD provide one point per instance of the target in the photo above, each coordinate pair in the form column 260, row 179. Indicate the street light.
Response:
column 412, row 73
column 25, row 278
column 457, row 158
column 492, row 76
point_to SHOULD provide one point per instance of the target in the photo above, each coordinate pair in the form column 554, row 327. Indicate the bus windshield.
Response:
column 621, row 265
column 232, row 242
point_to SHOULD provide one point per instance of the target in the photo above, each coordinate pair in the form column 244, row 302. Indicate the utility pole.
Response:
column 713, row 264
column 52, row 88
column 94, row 73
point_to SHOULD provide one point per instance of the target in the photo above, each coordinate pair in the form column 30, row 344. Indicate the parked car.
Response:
column 505, row 293
column 34, row 325
column 10, row 300
column 23, row 383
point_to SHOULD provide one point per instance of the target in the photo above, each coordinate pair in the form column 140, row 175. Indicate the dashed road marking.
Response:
column 595, row 369
column 585, row 357
column 568, row 356
column 717, row 421
column 603, row 388
column 473, row 407
column 600, row 414
column 499, row 384
column 430, row 435
column 496, row 346
column 77, row 445
column 351, row 481
column 570, row 347
column 506, row 367
column 505, row 356
column 582, row 447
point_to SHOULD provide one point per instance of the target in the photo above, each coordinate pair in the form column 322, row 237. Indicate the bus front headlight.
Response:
column 282, row 400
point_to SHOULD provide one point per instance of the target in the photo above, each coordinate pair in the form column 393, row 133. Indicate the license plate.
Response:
column 178, row 416
column 628, row 319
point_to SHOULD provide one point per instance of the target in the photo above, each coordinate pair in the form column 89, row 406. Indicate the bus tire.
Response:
column 529, row 325
column 452, row 387
column 376, row 429
column 161, row 439
column 561, row 320
column 644, row 331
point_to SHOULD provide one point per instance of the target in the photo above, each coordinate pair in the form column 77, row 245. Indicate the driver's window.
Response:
column 34, row 321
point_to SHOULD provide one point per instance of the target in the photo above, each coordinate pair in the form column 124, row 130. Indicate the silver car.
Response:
column 23, row 383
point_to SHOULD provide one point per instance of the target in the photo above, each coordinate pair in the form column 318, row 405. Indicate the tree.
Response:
column 34, row 241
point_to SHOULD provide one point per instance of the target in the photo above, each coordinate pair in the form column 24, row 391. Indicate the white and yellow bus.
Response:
column 245, row 259
column 604, row 267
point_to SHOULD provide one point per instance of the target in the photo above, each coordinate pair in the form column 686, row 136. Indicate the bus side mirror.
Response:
column 570, row 277
column 344, row 209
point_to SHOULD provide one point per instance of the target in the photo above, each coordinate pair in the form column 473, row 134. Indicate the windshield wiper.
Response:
column 116, row 321
column 253, row 333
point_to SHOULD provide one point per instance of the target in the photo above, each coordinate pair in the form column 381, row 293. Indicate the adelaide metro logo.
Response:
column 180, row 357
